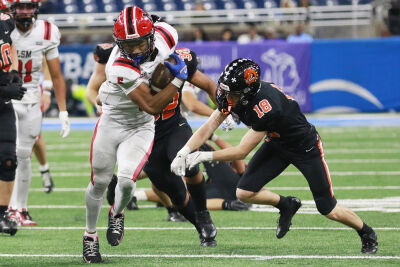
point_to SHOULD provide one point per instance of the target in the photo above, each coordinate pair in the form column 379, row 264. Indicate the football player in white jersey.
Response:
column 124, row 133
column 33, row 39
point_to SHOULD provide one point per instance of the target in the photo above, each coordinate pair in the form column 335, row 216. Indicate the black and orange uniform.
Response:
column 291, row 139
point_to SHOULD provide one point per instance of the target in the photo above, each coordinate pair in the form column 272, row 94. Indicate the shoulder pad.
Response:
column 190, row 58
column 168, row 33
column 102, row 52
column 123, row 71
column 51, row 32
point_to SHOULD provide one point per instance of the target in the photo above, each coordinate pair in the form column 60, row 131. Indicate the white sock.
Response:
column 44, row 167
column 93, row 206
column 123, row 193
column 94, row 235
column 141, row 195
column 24, row 177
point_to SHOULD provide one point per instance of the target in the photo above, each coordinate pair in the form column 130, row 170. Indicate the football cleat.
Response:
column 132, row 204
column 7, row 226
column 369, row 243
column 285, row 220
column 48, row 183
column 91, row 249
column 115, row 231
column 175, row 216
column 206, row 229
column 111, row 190
column 13, row 215
column 26, row 219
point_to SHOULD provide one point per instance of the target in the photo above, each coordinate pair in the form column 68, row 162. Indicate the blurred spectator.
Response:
column 198, row 5
column 251, row 36
column 304, row 3
column 199, row 35
column 227, row 35
column 271, row 34
column 299, row 36
column 393, row 19
column 287, row 4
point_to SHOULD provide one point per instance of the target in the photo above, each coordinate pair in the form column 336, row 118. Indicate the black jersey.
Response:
column 6, row 27
column 171, row 115
column 273, row 111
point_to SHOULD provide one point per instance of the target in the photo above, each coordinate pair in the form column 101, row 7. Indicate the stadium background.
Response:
column 351, row 66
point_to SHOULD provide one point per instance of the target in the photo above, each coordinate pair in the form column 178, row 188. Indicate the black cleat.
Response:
column 132, row 205
column 369, row 243
column 115, row 231
column 91, row 250
column 111, row 190
column 7, row 226
column 175, row 216
column 285, row 220
column 48, row 183
column 206, row 229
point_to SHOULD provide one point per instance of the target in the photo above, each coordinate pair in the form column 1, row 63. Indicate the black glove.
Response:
column 12, row 91
column 15, row 78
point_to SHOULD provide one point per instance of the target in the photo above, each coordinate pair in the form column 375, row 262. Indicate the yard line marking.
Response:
column 285, row 188
column 192, row 228
column 217, row 256
column 295, row 173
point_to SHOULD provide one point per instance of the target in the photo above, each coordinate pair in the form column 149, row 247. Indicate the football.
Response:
column 161, row 76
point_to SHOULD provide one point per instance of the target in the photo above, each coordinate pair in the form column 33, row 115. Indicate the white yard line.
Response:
column 215, row 256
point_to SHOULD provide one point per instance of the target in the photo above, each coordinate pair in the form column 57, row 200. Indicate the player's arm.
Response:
column 205, row 83
column 47, row 85
column 14, row 58
column 194, row 105
column 95, row 81
column 58, row 82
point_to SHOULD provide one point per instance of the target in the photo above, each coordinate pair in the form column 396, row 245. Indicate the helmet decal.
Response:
column 250, row 75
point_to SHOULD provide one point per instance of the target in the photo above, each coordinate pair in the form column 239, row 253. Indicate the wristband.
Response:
column 47, row 84
column 46, row 92
column 184, row 151
column 177, row 82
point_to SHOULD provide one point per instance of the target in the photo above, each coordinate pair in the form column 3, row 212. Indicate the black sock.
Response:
column 283, row 203
column 170, row 209
column 364, row 230
column 226, row 204
column 198, row 193
column 189, row 212
column 3, row 209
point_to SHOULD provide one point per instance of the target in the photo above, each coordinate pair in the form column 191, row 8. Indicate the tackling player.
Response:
column 290, row 139
column 33, row 39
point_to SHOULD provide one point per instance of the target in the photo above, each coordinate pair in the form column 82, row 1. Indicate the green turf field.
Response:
column 365, row 170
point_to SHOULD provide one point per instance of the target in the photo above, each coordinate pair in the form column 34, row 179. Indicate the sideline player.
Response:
column 291, row 139
column 10, row 88
column 124, row 133
column 33, row 39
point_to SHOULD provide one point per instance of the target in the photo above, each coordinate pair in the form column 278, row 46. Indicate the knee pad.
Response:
column 126, row 185
column 8, row 164
column 325, row 204
column 24, row 152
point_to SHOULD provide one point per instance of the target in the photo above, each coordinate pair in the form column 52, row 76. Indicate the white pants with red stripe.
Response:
column 115, row 143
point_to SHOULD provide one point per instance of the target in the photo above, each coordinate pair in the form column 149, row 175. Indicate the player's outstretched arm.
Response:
column 205, row 83
column 95, row 81
column 194, row 105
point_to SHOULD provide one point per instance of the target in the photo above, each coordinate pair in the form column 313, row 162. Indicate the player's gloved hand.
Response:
column 15, row 78
column 12, row 91
column 65, row 124
column 180, row 69
column 228, row 124
column 178, row 165
column 196, row 157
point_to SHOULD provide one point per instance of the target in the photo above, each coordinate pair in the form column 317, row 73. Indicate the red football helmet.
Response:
column 25, row 12
column 4, row 6
column 134, row 34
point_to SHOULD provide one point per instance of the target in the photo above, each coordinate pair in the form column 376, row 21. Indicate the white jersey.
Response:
column 123, row 76
column 42, row 40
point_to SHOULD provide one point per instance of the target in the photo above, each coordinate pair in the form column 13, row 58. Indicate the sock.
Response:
column 93, row 206
column 94, row 235
column 226, row 204
column 198, row 193
column 283, row 203
column 3, row 210
column 141, row 195
column 44, row 168
column 364, row 230
column 170, row 209
column 188, row 211
column 24, row 176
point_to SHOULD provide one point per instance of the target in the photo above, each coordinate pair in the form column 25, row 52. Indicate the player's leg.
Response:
column 39, row 149
column 29, row 119
column 316, row 171
column 102, row 158
column 266, row 164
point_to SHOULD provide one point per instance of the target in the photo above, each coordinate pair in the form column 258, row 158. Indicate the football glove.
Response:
column 180, row 69
column 228, row 124
column 15, row 78
column 196, row 157
column 178, row 165
column 12, row 91
column 65, row 124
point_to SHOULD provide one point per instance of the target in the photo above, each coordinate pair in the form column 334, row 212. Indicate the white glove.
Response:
column 178, row 165
column 228, row 124
column 196, row 157
column 65, row 124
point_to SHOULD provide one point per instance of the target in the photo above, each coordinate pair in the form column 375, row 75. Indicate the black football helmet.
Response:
column 241, row 77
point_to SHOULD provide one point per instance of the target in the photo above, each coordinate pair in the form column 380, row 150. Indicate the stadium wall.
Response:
column 324, row 76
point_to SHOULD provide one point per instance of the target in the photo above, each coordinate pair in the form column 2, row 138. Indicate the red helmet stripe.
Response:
column 129, row 21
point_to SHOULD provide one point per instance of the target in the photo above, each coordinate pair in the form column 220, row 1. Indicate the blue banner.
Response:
column 355, row 75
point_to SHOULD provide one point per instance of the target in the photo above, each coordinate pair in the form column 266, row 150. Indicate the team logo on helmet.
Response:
column 250, row 75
